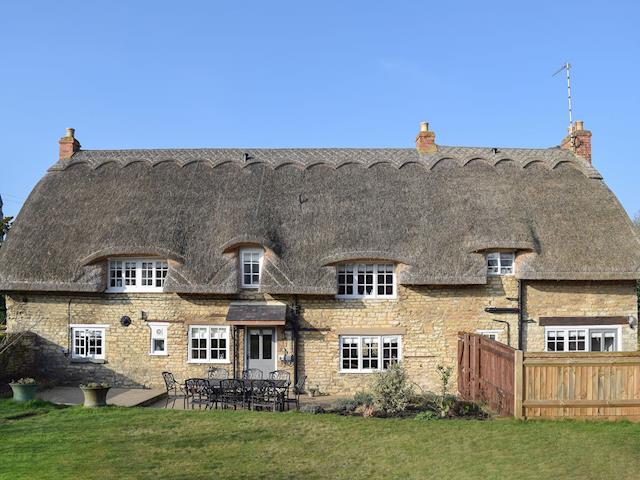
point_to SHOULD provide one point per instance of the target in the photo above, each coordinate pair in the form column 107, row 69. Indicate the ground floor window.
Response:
column 490, row 334
column 369, row 353
column 208, row 344
column 582, row 339
column 158, row 338
column 88, row 342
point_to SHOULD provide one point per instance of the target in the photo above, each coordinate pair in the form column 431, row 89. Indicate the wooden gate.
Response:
column 486, row 372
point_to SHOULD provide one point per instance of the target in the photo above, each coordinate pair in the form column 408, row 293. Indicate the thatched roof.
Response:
column 432, row 213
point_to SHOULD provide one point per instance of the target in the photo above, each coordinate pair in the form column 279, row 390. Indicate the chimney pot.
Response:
column 426, row 140
column 68, row 145
column 578, row 141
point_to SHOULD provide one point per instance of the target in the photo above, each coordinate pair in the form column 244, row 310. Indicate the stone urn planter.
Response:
column 24, row 389
column 95, row 394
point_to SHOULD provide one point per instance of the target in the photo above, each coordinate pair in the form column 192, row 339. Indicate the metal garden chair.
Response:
column 197, row 392
column 252, row 374
column 174, row 389
column 265, row 395
column 298, row 389
column 232, row 393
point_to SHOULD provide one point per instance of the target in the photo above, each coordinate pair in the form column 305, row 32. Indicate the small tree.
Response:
column 391, row 390
column 5, row 225
column 445, row 375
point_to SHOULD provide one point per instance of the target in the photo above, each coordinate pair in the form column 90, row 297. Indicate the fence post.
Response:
column 518, row 384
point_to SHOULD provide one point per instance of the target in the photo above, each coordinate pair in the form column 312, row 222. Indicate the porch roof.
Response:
column 258, row 315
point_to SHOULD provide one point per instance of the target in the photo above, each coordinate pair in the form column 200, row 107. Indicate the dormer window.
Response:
column 500, row 263
column 136, row 275
column 366, row 280
column 251, row 267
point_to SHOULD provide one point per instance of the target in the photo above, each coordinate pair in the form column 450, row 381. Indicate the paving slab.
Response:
column 121, row 397
column 177, row 403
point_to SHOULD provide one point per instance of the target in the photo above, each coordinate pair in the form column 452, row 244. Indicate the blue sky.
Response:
column 154, row 74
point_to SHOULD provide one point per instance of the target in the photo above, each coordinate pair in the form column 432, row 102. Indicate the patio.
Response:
column 250, row 391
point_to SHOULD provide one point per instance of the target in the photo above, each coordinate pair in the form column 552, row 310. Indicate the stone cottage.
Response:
column 331, row 263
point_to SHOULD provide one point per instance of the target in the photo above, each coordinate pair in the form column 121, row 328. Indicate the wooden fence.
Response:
column 596, row 384
column 486, row 372
column 548, row 384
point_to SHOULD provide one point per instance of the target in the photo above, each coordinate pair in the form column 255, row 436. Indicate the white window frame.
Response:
column 154, row 334
column 380, row 342
column 101, row 328
column 250, row 252
column 159, row 266
column 490, row 333
column 587, row 328
column 208, row 358
column 342, row 269
column 498, row 256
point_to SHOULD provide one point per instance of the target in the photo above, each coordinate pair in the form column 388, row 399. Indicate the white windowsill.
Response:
column 134, row 290
column 156, row 354
column 210, row 361
column 366, row 372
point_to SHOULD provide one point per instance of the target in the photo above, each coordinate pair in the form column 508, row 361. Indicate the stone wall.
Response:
column 430, row 315
column 563, row 299
column 17, row 356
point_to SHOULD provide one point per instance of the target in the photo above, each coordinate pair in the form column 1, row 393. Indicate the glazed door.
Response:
column 261, row 350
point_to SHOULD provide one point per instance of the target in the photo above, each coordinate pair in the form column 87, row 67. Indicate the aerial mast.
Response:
column 567, row 68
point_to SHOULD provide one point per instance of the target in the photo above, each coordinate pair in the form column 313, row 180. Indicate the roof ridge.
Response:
column 169, row 149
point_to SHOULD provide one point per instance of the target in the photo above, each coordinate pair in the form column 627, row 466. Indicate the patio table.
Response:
column 281, row 385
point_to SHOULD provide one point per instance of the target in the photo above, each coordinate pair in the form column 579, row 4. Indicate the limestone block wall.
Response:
column 431, row 317
column 128, row 362
column 564, row 299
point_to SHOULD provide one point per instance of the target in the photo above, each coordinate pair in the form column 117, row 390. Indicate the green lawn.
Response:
column 39, row 441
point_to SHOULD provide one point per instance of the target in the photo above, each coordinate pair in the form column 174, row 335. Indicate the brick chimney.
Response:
column 578, row 141
column 68, row 144
column 426, row 140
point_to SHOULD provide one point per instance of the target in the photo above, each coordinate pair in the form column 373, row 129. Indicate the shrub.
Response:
column 427, row 415
column 344, row 405
column 363, row 399
column 391, row 390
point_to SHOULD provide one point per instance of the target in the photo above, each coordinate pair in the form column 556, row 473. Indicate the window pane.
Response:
column 603, row 340
column 370, row 353
column 349, row 352
column 254, row 346
column 147, row 274
column 267, row 346
column 389, row 351
column 251, row 268
column 115, row 274
column 161, row 273
column 609, row 343
column 199, row 343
